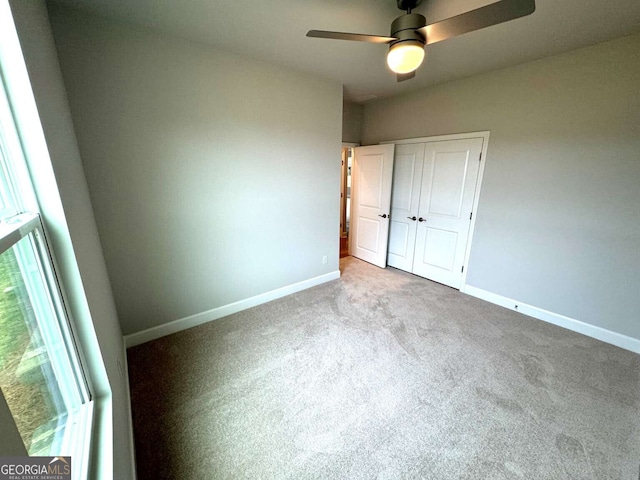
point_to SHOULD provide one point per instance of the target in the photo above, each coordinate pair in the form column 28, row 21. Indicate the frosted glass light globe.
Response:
column 405, row 57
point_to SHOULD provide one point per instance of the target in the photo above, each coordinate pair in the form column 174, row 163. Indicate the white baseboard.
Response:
column 599, row 333
column 174, row 326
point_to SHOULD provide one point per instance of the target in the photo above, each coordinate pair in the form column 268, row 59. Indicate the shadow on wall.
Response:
column 352, row 114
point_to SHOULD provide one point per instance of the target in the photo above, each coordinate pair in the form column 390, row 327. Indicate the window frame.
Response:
column 35, row 178
column 55, row 334
column 29, row 225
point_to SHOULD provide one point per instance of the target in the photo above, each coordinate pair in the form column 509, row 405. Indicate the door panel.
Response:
column 371, row 200
column 405, row 199
column 447, row 183
column 448, row 187
column 370, row 178
column 398, row 241
column 369, row 234
column 440, row 248
column 404, row 186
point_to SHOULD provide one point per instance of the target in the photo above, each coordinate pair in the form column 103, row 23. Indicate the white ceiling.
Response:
column 274, row 31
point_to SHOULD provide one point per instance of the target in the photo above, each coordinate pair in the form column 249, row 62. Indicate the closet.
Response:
column 433, row 190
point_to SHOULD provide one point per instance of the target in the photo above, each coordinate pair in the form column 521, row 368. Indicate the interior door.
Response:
column 371, row 175
column 405, row 200
column 448, row 186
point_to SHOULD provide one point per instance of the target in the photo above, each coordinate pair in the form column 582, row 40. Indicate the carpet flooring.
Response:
column 383, row 375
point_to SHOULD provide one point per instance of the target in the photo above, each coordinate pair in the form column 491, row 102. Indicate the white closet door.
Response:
column 405, row 199
column 371, row 201
column 448, row 186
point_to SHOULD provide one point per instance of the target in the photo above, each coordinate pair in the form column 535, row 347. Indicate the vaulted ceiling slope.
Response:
column 274, row 31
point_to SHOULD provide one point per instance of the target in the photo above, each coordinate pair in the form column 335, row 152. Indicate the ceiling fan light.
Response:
column 405, row 57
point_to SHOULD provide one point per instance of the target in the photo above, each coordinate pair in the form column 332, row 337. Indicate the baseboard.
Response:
column 599, row 333
column 174, row 326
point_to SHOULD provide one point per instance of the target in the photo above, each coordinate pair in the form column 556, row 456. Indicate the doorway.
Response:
column 345, row 198
column 372, row 175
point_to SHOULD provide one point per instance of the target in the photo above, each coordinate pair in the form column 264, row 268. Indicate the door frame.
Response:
column 343, row 191
column 476, row 196
column 344, row 173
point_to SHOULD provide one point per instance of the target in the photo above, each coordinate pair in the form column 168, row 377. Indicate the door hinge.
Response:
column 470, row 215
column 462, row 271
column 480, row 159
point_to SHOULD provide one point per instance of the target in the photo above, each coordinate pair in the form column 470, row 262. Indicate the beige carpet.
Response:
column 384, row 375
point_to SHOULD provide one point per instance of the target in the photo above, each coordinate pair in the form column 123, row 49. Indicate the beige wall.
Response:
column 351, row 122
column 214, row 178
column 559, row 220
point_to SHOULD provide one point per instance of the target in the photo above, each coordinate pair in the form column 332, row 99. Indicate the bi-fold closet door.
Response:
column 405, row 202
column 432, row 198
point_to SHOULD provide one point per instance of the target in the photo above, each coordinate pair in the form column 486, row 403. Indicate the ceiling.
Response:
column 274, row 31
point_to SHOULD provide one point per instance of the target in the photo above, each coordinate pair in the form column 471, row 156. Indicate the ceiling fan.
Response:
column 410, row 33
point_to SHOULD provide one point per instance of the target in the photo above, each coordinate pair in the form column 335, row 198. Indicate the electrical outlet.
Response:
column 325, row 260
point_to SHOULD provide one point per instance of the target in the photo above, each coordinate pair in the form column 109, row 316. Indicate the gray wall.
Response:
column 64, row 200
column 351, row 122
column 10, row 441
column 558, row 225
column 214, row 178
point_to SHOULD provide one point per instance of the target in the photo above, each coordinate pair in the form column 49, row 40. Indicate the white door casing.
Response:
column 372, row 172
column 446, row 201
column 405, row 200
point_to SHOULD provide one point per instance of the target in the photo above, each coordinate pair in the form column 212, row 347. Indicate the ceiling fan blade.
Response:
column 405, row 76
column 482, row 17
column 358, row 37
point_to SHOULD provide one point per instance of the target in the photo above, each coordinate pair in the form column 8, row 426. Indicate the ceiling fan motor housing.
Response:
column 406, row 28
column 408, row 4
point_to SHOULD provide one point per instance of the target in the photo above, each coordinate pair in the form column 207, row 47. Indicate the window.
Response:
column 39, row 375
column 40, row 372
